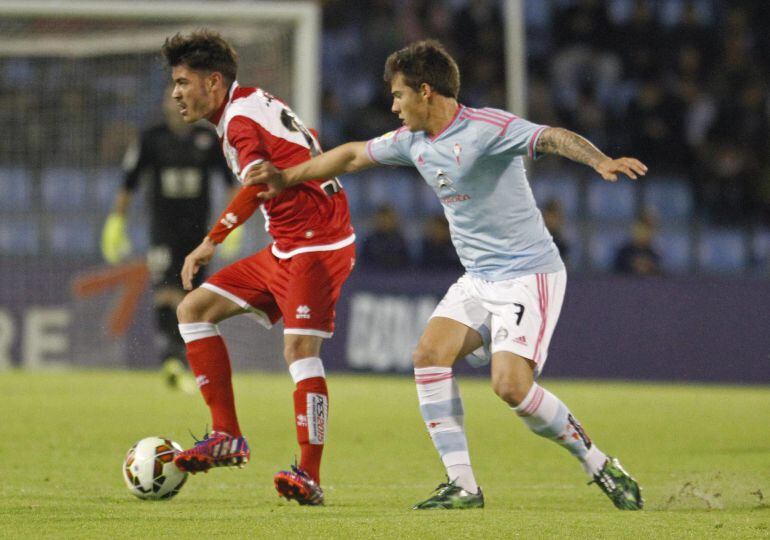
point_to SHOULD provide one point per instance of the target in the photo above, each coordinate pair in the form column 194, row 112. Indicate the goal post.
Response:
column 515, row 56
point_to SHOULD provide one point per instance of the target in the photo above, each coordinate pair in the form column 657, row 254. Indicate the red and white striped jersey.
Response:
column 254, row 126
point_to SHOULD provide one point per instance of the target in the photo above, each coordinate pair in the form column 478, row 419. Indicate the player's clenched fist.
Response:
column 265, row 173
column 198, row 257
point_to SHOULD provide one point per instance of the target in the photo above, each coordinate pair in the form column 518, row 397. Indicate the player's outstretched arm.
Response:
column 570, row 145
column 346, row 158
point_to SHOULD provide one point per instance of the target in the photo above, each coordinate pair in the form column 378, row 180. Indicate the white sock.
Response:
column 549, row 417
column 442, row 409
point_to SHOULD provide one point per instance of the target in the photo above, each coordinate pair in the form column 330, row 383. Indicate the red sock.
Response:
column 210, row 363
column 311, row 410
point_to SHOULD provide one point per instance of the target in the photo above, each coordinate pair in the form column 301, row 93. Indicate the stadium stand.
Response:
column 16, row 187
column 64, row 188
column 616, row 201
column 669, row 198
column 19, row 236
column 722, row 250
column 675, row 248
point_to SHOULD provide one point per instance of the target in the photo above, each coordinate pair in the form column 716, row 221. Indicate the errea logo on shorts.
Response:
column 303, row 312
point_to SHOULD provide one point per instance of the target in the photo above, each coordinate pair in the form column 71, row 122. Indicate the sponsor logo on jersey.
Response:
column 444, row 182
column 303, row 312
column 521, row 340
column 317, row 414
column 201, row 380
column 446, row 185
column 301, row 420
column 451, row 199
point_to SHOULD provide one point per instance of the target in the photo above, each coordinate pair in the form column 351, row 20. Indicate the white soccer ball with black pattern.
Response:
column 149, row 469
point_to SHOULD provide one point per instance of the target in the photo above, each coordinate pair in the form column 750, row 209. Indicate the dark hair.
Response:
column 202, row 50
column 425, row 62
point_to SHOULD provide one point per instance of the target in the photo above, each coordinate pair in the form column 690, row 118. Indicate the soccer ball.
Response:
column 149, row 469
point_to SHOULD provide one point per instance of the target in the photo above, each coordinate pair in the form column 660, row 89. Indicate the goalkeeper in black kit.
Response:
column 177, row 161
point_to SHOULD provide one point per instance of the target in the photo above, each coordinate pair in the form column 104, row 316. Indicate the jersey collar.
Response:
column 459, row 108
column 218, row 116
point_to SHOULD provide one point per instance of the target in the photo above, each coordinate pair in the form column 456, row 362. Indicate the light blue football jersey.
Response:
column 475, row 166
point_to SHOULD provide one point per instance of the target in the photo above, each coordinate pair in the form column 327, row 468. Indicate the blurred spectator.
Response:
column 385, row 247
column 438, row 252
column 638, row 40
column 583, row 56
column 658, row 134
column 553, row 216
column 637, row 256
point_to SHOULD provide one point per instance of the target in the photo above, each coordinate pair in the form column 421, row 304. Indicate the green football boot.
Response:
column 618, row 485
column 448, row 496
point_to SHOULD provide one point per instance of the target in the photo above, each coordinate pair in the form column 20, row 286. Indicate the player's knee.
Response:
column 425, row 356
column 511, row 391
column 189, row 311
column 297, row 349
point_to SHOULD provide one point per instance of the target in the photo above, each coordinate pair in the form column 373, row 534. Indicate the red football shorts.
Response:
column 303, row 289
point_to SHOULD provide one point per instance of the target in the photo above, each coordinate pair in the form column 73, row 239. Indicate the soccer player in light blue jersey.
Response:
column 508, row 301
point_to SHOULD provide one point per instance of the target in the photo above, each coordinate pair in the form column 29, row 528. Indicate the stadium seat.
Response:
column 19, row 236
column 72, row 235
column 354, row 190
column 603, row 246
column 722, row 250
column 64, row 188
column 564, row 188
column 106, row 184
column 139, row 232
column 16, row 187
column 671, row 199
column 576, row 251
column 612, row 201
column 674, row 245
column 395, row 187
column 429, row 202
column 760, row 251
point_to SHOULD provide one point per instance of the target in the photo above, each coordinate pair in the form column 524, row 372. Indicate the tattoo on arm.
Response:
column 570, row 145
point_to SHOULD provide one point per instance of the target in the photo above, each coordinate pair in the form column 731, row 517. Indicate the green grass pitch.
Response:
column 701, row 453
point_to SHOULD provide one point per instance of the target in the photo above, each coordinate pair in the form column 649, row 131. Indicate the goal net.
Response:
column 78, row 81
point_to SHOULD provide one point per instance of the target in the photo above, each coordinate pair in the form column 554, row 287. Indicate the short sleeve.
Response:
column 393, row 148
column 517, row 137
column 245, row 137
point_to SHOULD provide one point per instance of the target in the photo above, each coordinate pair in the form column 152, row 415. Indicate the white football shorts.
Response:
column 515, row 315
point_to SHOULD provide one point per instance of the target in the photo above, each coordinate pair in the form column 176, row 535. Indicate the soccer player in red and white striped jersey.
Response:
column 297, row 278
